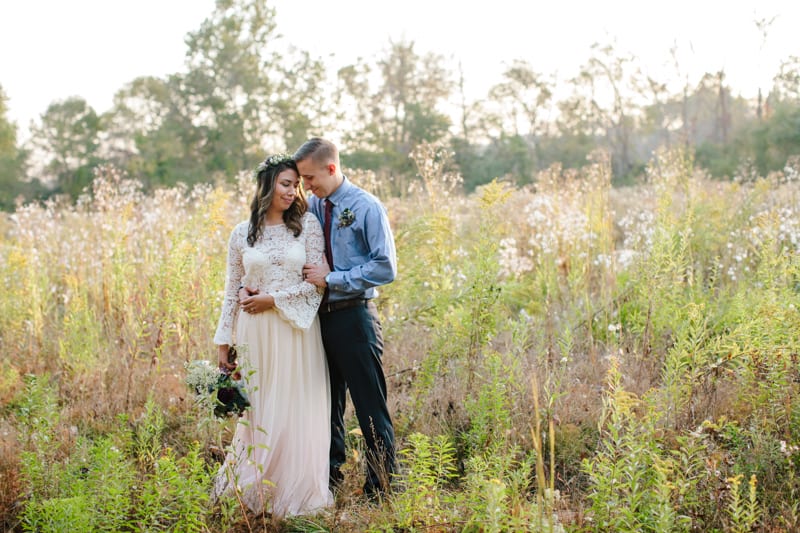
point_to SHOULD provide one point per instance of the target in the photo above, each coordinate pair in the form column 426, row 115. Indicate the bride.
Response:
column 278, row 459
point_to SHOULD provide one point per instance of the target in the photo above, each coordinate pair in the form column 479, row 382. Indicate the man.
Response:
column 361, row 256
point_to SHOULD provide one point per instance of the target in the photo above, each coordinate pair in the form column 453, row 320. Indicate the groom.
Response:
column 361, row 256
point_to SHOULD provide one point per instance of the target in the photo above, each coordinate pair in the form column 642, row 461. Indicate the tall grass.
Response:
column 561, row 357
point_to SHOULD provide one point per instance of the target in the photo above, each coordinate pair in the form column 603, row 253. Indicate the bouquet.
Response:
column 222, row 389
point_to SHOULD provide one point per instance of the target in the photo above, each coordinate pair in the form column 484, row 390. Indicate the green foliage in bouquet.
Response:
column 223, row 391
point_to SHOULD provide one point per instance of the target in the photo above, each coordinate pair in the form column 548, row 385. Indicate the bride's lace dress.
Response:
column 279, row 457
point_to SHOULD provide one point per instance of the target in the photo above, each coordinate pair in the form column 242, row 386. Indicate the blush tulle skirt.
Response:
column 278, row 461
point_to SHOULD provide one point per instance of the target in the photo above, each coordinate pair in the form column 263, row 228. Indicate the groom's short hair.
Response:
column 321, row 151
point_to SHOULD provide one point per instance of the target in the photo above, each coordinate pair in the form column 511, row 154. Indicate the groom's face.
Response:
column 319, row 179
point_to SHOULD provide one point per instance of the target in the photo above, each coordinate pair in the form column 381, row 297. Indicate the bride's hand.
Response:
column 245, row 291
column 223, row 359
column 257, row 303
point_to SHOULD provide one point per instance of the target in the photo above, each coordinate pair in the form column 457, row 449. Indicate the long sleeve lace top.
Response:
column 274, row 265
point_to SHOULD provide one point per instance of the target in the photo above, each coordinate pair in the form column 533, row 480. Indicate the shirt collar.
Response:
column 337, row 196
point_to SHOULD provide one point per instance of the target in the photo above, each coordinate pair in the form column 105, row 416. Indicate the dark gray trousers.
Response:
column 353, row 341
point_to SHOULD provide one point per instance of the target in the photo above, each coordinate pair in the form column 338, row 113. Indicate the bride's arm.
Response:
column 233, row 279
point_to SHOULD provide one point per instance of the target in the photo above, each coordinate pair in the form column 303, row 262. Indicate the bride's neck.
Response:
column 273, row 219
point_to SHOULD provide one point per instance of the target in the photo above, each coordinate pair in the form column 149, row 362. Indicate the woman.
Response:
column 279, row 454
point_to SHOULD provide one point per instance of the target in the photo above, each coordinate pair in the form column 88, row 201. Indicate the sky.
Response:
column 54, row 49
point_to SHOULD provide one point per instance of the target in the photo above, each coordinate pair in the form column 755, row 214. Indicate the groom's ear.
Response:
column 331, row 168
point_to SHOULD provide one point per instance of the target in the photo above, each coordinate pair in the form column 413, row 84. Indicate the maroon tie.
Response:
column 327, row 231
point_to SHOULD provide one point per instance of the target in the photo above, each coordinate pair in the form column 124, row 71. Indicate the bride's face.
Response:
column 286, row 185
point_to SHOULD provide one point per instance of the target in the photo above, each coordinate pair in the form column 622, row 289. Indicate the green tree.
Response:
column 606, row 105
column 12, row 160
column 520, row 100
column 67, row 139
column 507, row 156
column 782, row 129
column 388, row 121
column 776, row 138
column 787, row 80
column 151, row 132
column 227, row 87
column 243, row 93
column 250, row 91
column 719, row 126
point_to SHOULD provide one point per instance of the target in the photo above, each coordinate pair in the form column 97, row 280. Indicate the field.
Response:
column 565, row 356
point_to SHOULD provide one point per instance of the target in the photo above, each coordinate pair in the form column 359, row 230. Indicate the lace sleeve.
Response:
column 315, row 242
column 298, row 303
column 230, row 301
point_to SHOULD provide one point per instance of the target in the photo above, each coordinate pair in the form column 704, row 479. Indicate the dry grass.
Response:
column 111, row 297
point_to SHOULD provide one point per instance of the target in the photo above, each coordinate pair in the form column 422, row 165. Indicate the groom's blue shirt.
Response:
column 363, row 252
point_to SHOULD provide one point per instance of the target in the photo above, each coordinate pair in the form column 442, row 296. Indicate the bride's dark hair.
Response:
column 266, row 175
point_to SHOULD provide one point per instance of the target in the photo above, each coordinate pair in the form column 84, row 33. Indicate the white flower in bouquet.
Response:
column 222, row 392
column 201, row 376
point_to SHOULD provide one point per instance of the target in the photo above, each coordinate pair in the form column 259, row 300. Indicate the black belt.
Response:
column 329, row 307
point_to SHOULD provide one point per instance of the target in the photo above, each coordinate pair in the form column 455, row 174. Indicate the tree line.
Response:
column 244, row 93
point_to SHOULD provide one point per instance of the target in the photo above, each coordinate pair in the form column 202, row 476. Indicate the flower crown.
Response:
column 274, row 160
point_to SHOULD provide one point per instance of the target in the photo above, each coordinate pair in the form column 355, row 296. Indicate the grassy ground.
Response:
column 564, row 357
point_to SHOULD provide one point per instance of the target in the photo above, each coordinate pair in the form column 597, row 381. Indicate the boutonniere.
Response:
column 346, row 218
